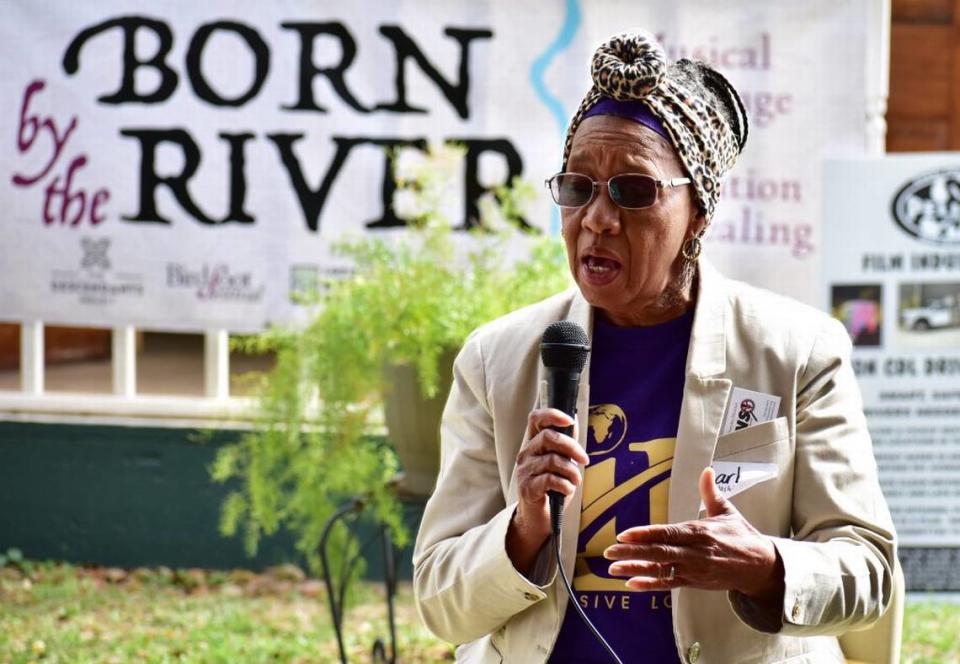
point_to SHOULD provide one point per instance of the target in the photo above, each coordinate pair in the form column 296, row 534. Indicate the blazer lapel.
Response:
column 705, row 396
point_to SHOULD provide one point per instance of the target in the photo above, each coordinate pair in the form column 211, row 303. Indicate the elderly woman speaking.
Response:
column 722, row 502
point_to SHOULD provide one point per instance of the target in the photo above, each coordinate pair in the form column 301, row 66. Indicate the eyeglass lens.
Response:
column 629, row 190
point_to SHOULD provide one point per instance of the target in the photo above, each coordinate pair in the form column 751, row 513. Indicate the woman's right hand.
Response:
column 549, row 461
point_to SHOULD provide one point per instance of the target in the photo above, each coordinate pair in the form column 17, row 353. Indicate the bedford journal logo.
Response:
column 215, row 282
column 928, row 207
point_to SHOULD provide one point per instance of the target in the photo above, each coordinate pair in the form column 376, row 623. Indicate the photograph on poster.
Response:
column 860, row 308
column 929, row 315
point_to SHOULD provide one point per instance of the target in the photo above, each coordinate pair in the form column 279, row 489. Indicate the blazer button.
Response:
column 795, row 614
column 693, row 652
column 530, row 597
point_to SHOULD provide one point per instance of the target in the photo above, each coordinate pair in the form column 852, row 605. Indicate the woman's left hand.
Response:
column 721, row 552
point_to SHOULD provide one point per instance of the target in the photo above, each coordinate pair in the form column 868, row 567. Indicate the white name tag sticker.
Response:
column 747, row 408
column 732, row 477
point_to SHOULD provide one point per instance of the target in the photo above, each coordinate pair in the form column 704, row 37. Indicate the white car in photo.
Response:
column 936, row 313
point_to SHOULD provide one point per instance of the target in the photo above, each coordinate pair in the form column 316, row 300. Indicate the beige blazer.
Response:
column 825, row 509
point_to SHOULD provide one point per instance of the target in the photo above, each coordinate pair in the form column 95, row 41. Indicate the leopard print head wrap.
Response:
column 702, row 113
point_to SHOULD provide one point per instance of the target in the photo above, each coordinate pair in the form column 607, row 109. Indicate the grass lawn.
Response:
column 52, row 612
column 931, row 633
column 59, row 613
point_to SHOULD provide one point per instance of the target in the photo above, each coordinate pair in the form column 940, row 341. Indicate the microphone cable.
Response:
column 556, row 514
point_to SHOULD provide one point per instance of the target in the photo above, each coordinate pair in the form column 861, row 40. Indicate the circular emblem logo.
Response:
column 747, row 406
column 606, row 428
column 928, row 207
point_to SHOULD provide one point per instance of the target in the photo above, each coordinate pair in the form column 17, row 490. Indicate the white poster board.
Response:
column 891, row 265
column 186, row 166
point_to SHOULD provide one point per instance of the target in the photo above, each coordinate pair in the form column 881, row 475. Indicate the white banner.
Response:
column 892, row 273
column 186, row 165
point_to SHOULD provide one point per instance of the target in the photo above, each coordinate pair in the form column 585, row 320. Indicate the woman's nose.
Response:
column 601, row 215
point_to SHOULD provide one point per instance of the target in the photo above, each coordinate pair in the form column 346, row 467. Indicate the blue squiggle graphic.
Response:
column 539, row 67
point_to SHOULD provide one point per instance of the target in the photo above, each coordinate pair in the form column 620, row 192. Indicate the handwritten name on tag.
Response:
column 733, row 477
column 747, row 408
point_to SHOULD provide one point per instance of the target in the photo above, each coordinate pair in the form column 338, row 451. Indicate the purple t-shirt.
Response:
column 636, row 387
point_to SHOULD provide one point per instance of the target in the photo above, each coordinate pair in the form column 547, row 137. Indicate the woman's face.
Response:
column 627, row 262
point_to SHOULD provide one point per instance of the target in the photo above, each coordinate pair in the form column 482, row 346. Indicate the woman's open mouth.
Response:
column 599, row 270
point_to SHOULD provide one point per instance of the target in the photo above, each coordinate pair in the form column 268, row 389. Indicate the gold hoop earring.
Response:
column 692, row 249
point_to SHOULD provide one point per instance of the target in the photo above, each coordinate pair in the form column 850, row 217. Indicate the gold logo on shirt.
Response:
column 607, row 429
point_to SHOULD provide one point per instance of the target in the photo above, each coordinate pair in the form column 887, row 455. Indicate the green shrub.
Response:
column 409, row 300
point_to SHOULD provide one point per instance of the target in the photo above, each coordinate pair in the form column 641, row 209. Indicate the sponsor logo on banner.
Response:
column 215, row 282
column 928, row 207
column 95, row 253
column 307, row 281
column 304, row 282
column 94, row 282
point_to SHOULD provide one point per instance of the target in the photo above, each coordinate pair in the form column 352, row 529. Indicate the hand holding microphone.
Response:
column 548, row 464
column 564, row 349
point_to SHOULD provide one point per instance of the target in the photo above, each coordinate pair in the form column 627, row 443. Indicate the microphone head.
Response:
column 564, row 346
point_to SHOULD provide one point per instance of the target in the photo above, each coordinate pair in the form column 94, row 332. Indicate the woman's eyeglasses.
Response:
column 633, row 191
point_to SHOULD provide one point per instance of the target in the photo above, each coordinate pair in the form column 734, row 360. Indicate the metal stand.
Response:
column 337, row 594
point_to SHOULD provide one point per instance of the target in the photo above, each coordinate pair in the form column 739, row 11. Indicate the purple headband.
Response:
column 631, row 110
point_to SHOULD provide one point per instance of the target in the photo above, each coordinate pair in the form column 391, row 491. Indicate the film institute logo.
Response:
column 928, row 207
column 215, row 282
column 94, row 282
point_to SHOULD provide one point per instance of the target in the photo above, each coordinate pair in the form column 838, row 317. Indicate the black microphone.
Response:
column 564, row 349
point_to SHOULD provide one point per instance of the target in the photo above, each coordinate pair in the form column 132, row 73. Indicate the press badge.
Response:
column 748, row 408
